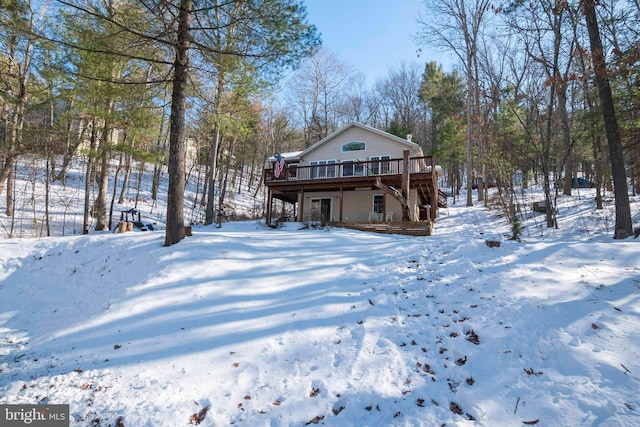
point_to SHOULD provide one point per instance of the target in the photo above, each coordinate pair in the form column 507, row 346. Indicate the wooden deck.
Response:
column 350, row 176
column 408, row 228
column 416, row 173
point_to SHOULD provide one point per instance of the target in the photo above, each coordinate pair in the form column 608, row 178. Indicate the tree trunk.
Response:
column 100, row 205
column 157, row 168
column 141, row 168
column 71, row 144
column 469, row 161
column 177, row 141
column 213, row 166
column 623, row 226
column 223, row 187
column 213, row 156
column 115, row 190
column 10, row 188
column 88, row 179
column 566, row 136
column 125, row 180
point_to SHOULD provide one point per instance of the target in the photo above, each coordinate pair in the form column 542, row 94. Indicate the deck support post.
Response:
column 269, row 203
column 301, row 211
column 406, row 208
column 341, row 200
column 435, row 193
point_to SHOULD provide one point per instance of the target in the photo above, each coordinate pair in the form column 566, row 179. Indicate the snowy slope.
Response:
column 331, row 327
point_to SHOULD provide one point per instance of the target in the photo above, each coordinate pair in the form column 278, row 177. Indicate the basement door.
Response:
column 321, row 210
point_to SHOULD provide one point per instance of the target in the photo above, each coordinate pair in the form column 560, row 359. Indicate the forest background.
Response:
column 207, row 91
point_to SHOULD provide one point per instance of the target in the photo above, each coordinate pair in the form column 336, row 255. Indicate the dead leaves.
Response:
column 199, row 417
column 472, row 337
column 314, row 392
column 456, row 409
column 426, row 367
column 315, row 420
column 492, row 243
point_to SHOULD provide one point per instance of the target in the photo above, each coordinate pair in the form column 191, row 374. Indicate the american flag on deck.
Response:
column 278, row 167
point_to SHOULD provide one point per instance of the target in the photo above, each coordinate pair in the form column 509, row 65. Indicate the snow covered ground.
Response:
column 251, row 326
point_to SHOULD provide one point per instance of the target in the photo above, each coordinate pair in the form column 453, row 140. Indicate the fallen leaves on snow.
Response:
column 199, row 417
column 336, row 411
column 472, row 337
column 315, row 420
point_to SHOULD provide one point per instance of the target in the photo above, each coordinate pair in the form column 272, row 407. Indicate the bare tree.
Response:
column 456, row 25
column 546, row 31
column 316, row 90
column 19, row 50
column 401, row 90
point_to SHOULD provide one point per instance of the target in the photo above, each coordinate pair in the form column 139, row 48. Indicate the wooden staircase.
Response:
column 442, row 199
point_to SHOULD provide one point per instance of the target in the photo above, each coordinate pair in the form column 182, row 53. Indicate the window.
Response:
column 293, row 170
column 350, row 168
column 323, row 169
column 380, row 165
column 353, row 146
column 331, row 169
column 378, row 204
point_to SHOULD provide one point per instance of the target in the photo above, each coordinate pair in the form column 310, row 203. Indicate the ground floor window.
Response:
column 321, row 210
column 378, row 204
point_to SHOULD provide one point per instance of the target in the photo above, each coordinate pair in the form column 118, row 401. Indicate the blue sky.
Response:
column 373, row 36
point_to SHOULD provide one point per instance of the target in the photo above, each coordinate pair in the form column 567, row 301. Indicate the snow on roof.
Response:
column 291, row 155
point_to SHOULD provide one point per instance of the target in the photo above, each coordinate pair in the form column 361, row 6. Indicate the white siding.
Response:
column 376, row 145
column 357, row 205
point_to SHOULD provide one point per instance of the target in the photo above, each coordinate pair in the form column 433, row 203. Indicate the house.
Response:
column 357, row 174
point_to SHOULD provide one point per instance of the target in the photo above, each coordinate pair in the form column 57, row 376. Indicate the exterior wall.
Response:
column 376, row 145
column 307, row 208
column 355, row 206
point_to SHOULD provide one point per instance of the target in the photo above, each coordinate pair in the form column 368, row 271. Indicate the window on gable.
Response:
column 353, row 146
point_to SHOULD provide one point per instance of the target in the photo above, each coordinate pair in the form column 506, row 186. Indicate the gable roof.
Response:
column 410, row 145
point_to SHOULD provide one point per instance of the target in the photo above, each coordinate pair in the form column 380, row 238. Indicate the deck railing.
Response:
column 349, row 169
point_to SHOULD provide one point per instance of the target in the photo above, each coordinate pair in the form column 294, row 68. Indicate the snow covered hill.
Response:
column 251, row 326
